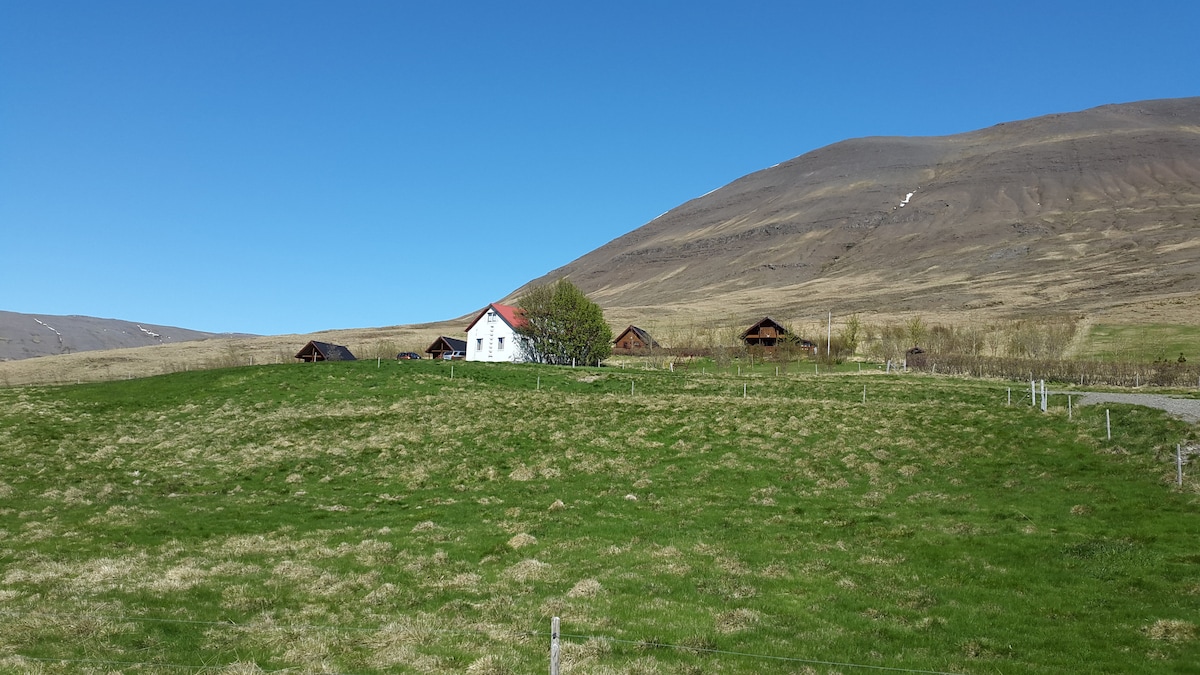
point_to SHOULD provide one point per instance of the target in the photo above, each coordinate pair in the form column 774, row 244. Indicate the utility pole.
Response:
column 828, row 332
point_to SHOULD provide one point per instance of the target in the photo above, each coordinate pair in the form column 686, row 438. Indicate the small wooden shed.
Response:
column 765, row 334
column 634, row 339
column 455, row 348
column 323, row 351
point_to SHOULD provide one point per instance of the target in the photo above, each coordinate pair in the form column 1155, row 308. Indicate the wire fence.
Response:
column 251, row 667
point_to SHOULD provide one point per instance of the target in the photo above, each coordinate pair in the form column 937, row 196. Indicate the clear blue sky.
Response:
column 277, row 167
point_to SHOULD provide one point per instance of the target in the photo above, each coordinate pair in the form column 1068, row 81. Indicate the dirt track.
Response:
column 1185, row 409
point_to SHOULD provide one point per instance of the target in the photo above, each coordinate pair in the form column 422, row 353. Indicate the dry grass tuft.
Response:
column 1171, row 630
column 579, row 655
column 528, row 570
column 488, row 665
column 586, row 588
column 241, row 668
column 522, row 474
column 522, row 540
column 737, row 620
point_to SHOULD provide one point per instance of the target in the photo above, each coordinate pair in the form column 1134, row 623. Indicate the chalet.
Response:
column 447, row 348
column 323, row 351
column 634, row 339
column 765, row 334
column 492, row 336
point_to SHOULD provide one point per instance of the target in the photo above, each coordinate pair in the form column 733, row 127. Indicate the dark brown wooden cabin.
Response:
column 457, row 349
column 766, row 334
column 323, row 351
column 634, row 340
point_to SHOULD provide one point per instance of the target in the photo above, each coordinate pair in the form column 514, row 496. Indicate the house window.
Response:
column 500, row 344
column 479, row 343
column 491, row 315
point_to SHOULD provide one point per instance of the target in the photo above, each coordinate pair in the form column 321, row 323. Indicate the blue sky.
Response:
column 279, row 167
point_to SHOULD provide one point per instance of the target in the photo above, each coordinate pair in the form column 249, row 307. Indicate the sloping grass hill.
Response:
column 428, row 517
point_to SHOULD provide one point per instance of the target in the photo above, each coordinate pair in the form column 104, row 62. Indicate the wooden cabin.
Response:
column 634, row 339
column 447, row 348
column 323, row 351
column 766, row 334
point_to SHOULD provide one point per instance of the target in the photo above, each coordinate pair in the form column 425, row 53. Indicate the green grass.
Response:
column 349, row 518
column 1143, row 343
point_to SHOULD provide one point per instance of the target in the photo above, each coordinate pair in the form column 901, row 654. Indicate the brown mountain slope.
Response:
column 1089, row 212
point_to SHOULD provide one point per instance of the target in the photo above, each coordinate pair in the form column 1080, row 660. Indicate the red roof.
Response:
column 511, row 315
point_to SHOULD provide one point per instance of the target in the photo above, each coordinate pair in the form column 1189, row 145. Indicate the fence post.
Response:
column 1108, row 424
column 1179, row 462
column 1043, row 396
column 554, row 646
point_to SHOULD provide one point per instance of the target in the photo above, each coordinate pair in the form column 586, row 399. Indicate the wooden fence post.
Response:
column 554, row 646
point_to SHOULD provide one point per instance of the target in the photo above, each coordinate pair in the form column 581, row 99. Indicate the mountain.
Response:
column 24, row 336
column 1086, row 212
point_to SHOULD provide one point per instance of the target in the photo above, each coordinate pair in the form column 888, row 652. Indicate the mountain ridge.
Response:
column 987, row 219
column 24, row 336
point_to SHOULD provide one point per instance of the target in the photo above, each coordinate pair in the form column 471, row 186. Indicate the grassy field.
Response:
column 429, row 517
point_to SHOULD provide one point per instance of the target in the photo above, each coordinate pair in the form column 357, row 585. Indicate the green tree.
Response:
column 562, row 326
column 851, row 334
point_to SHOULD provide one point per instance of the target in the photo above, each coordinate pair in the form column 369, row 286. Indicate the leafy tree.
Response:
column 563, row 326
column 851, row 334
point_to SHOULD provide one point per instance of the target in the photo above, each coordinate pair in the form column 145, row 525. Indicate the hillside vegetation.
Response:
column 431, row 517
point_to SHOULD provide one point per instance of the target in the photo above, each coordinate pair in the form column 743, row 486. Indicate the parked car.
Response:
column 454, row 356
column 407, row 356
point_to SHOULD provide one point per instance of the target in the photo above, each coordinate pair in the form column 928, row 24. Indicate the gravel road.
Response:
column 1186, row 409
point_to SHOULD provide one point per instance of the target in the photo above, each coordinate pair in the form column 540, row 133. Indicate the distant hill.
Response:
column 24, row 336
column 1070, row 213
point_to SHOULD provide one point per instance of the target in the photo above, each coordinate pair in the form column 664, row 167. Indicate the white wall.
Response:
column 492, row 339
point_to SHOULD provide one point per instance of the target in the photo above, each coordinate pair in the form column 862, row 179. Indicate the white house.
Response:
column 492, row 336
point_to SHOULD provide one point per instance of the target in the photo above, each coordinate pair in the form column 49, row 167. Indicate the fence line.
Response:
column 768, row 657
column 1120, row 374
column 173, row 666
column 490, row 634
